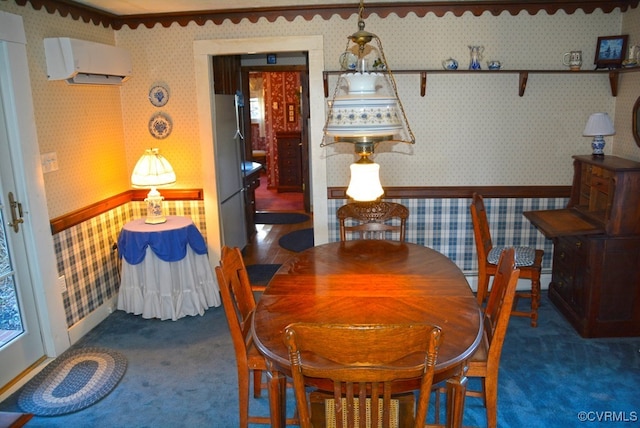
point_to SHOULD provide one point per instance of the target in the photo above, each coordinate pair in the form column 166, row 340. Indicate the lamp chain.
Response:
column 390, row 77
column 333, row 99
column 395, row 89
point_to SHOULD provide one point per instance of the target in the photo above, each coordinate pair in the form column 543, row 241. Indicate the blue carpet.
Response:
column 298, row 240
column 183, row 373
column 261, row 274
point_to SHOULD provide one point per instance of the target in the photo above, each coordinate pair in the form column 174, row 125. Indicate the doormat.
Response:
column 298, row 240
column 75, row 380
column 280, row 218
column 261, row 274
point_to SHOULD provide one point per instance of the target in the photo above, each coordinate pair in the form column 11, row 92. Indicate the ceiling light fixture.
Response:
column 365, row 113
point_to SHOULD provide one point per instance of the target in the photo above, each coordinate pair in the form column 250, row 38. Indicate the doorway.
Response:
column 313, row 46
column 20, row 337
column 277, row 136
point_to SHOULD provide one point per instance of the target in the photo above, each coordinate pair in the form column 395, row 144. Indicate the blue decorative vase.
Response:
column 597, row 145
column 450, row 64
column 476, row 57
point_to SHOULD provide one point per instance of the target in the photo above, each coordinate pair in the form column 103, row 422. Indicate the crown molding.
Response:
column 421, row 9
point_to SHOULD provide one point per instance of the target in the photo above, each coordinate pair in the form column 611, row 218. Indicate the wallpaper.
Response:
column 81, row 124
column 624, row 143
column 470, row 129
column 282, row 91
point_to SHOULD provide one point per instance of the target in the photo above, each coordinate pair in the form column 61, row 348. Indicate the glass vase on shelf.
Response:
column 476, row 57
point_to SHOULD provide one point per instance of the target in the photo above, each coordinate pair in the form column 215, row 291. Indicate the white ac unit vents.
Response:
column 86, row 63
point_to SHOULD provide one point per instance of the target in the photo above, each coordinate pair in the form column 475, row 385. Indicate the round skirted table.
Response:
column 165, row 270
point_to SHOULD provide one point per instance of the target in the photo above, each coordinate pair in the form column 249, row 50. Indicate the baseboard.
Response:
column 86, row 324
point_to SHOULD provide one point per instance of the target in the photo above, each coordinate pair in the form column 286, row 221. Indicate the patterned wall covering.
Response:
column 471, row 129
column 445, row 225
column 82, row 124
column 628, row 93
column 86, row 258
column 464, row 123
column 281, row 89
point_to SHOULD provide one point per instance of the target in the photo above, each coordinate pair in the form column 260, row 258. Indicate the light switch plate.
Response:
column 49, row 162
column 62, row 284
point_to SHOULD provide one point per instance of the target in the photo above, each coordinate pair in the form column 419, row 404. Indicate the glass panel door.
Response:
column 21, row 342
column 10, row 318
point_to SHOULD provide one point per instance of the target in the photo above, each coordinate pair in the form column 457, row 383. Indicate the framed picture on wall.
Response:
column 610, row 51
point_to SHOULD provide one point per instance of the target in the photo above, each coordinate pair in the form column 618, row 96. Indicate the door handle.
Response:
column 16, row 219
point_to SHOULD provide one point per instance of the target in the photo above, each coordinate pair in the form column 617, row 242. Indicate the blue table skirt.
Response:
column 168, row 241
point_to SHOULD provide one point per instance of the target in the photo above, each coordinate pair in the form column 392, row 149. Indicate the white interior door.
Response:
column 21, row 342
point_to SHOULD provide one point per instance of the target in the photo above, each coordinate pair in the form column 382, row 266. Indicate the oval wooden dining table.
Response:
column 370, row 281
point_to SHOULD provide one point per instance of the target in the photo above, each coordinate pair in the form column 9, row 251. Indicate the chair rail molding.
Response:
column 78, row 216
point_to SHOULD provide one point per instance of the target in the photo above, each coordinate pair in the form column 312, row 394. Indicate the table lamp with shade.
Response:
column 598, row 125
column 152, row 171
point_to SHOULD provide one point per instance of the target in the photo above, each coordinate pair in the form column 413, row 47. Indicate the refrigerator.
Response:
column 228, row 153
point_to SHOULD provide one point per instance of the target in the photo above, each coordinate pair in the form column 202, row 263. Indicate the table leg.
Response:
column 277, row 396
column 456, row 391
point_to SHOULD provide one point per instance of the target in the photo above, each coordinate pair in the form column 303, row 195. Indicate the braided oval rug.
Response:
column 75, row 380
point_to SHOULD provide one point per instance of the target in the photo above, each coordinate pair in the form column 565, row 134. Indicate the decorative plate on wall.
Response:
column 159, row 96
column 160, row 126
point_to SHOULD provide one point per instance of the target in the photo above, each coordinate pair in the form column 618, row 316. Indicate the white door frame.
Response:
column 203, row 51
column 25, row 153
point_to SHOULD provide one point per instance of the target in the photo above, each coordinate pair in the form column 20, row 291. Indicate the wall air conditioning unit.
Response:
column 79, row 62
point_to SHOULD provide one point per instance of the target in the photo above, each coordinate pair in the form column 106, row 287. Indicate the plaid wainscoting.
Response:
column 87, row 258
column 445, row 225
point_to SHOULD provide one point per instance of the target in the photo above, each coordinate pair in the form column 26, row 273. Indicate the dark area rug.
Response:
column 298, row 240
column 280, row 218
column 261, row 274
column 75, row 380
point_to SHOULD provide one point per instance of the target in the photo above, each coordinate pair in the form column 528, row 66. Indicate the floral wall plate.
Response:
column 160, row 126
column 159, row 96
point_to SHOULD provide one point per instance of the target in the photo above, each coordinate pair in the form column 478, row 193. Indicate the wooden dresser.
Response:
column 289, row 161
column 595, row 281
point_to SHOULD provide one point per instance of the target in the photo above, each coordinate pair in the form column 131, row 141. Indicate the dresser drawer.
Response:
column 287, row 152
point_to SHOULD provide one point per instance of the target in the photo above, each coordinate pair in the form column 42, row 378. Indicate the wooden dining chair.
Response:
column 528, row 260
column 362, row 361
column 239, row 303
column 372, row 220
column 485, row 362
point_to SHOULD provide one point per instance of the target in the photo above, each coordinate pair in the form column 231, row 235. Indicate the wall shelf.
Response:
column 614, row 76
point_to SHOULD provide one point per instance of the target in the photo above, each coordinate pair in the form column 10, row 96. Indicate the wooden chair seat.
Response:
column 480, row 356
column 255, row 361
